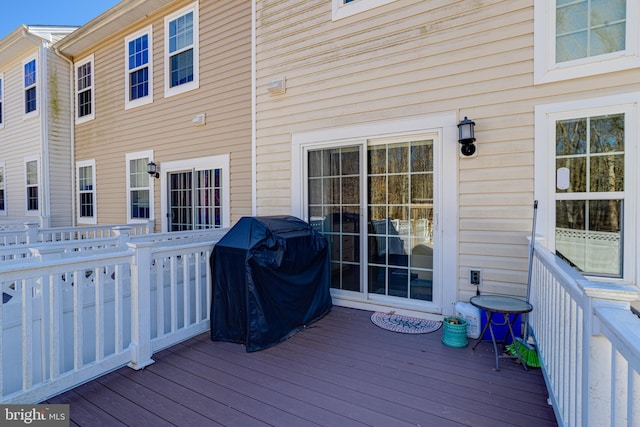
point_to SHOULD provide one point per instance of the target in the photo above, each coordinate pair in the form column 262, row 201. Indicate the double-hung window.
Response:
column 139, row 68
column 32, row 179
column 86, row 201
column 590, row 200
column 3, row 191
column 139, row 187
column 181, row 51
column 30, row 88
column 84, row 90
column 1, row 101
column 577, row 38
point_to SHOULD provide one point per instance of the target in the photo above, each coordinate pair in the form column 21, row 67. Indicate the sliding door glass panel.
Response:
column 334, row 210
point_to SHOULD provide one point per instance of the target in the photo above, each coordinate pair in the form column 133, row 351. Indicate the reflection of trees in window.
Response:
column 587, row 28
column 592, row 149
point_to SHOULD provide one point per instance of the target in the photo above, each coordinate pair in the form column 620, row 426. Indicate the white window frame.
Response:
column 27, row 160
column 135, row 156
column 36, row 85
column 340, row 9
column 2, row 109
column 3, row 186
column 195, row 84
column 547, row 70
column 148, row 31
column 76, row 65
column 202, row 163
column 86, row 219
column 546, row 117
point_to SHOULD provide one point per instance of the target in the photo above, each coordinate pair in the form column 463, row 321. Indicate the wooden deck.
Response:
column 341, row 371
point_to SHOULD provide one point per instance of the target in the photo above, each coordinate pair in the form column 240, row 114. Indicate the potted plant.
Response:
column 454, row 332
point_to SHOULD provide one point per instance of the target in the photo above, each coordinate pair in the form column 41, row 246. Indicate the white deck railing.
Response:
column 589, row 343
column 74, row 315
column 17, row 233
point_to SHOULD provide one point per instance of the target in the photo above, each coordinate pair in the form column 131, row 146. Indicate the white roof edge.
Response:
column 119, row 16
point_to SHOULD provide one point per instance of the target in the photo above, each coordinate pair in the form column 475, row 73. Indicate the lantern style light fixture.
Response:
column 466, row 137
column 152, row 169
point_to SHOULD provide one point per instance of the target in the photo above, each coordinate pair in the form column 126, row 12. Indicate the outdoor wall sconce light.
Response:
column 152, row 169
column 466, row 137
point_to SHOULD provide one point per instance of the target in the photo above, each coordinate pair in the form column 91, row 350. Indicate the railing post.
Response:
column 123, row 232
column 32, row 232
column 605, row 392
column 141, row 351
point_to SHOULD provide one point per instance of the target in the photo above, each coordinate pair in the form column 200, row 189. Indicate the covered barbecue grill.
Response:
column 270, row 279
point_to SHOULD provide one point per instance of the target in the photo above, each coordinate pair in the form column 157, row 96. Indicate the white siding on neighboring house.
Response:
column 44, row 134
column 19, row 138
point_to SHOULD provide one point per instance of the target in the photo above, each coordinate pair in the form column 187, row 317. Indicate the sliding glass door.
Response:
column 374, row 202
column 194, row 199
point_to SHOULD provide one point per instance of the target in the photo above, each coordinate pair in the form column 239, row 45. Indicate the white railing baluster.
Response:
column 78, row 324
column 197, row 286
column 55, row 325
column 98, row 283
column 173, row 294
column 185, row 291
column 27, row 333
column 160, row 312
column 118, row 307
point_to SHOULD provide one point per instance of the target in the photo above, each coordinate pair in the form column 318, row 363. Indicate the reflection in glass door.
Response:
column 334, row 210
column 400, row 220
column 398, row 213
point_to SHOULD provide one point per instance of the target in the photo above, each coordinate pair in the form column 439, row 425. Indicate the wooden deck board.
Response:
column 342, row 370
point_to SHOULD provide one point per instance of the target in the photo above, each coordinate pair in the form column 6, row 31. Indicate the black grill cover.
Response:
column 270, row 279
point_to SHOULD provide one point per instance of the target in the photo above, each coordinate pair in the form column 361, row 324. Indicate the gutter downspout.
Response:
column 72, row 134
column 253, row 112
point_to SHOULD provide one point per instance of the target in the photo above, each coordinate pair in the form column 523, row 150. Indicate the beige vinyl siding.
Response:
column 19, row 138
column 412, row 58
column 59, row 114
column 165, row 126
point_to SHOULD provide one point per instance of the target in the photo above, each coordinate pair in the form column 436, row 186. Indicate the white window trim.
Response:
column 86, row 219
column 3, row 186
column 35, row 112
column 87, row 60
column 2, row 105
column 545, row 119
column 340, row 9
column 149, row 98
column 444, row 124
column 195, row 84
column 545, row 68
column 133, row 156
column 34, row 158
column 202, row 163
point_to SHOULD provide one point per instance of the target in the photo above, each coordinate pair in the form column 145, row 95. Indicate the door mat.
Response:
column 404, row 324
